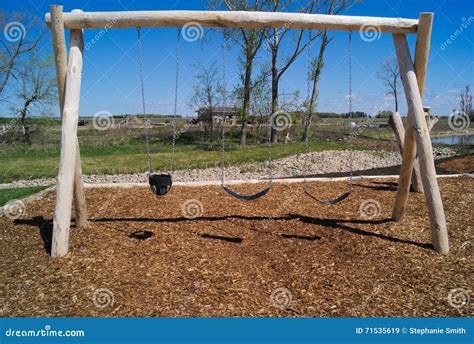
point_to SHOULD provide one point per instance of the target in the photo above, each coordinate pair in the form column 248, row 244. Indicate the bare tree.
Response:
column 206, row 92
column 249, row 41
column 38, row 88
column 274, row 42
column 465, row 103
column 331, row 7
column 21, row 37
column 389, row 74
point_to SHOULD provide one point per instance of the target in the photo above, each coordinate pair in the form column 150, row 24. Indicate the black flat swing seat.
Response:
column 246, row 197
column 160, row 183
column 331, row 201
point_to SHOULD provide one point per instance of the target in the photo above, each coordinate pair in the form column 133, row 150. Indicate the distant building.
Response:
column 127, row 121
column 131, row 121
column 229, row 115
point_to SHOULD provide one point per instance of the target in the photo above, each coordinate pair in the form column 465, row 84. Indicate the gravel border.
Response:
column 291, row 166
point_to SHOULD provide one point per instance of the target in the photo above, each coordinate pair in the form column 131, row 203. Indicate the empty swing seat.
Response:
column 331, row 201
column 160, row 184
column 246, row 197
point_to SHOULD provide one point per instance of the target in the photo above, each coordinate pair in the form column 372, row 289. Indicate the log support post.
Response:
column 70, row 175
column 395, row 121
column 423, row 38
column 416, row 117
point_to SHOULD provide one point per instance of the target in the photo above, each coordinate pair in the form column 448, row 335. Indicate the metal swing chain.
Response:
column 175, row 111
column 224, row 91
column 222, row 161
column 306, row 144
column 270, row 156
column 308, row 81
column 351, row 155
column 142, row 85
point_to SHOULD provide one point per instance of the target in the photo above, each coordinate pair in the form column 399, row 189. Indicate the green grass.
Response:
column 10, row 194
column 123, row 150
column 38, row 162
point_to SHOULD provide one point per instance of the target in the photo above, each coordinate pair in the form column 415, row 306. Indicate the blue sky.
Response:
column 111, row 80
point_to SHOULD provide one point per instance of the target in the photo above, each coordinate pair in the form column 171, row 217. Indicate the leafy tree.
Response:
column 38, row 89
column 275, row 38
column 22, row 35
column 330, row 7
column 206, row 91
column 249, row 41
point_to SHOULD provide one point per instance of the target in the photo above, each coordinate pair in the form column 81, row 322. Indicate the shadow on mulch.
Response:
column 45, row 227
column 380, row 186
column 340, row 224
column 329, row 223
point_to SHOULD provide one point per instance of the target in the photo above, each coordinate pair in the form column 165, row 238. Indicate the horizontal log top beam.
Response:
column 234, row 19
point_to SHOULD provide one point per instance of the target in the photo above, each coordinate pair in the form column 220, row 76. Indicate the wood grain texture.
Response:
column 233, row 19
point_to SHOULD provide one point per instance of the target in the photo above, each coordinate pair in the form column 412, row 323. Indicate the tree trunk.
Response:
column 275, row 81
column 25, row 130
column 314, row 93
column 395, row 93
column 246, row 103
column 7, row 75
column 211, row 119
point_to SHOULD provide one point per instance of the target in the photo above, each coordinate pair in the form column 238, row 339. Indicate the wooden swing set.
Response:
column 417, row 143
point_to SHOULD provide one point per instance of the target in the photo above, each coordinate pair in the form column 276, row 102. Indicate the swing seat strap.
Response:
column 246, row 197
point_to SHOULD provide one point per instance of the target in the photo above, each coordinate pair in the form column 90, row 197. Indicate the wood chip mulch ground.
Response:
column 283, row 255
